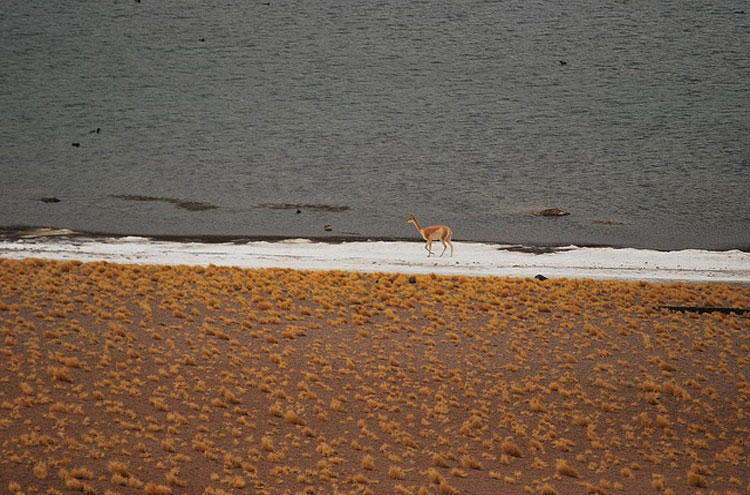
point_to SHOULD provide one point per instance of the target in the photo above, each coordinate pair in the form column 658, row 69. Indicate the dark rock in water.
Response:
column 299, row 207
column 541, row 277
column 535, row 249
column 298, row 211
column 551, row 212
column 50, row 199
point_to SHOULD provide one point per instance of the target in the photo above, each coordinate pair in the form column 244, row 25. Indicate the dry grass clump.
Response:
column 547, row 489
column 396, row 473
column 510, row 448
column 120, row 379
column 471, row 463
column 368, row 462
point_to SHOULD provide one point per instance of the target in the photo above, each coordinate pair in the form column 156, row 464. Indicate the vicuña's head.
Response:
column 411, row 219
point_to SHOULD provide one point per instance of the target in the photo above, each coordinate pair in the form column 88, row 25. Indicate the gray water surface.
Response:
column 471, row 113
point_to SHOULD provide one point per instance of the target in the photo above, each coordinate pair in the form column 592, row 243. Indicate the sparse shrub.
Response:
column 434, row 476
column 547, row 489
column 446, row 489
column 564, row 469
column 40, row 470
column 82, row 473
column 510, row 448
column 154, row 489
column 697, row 480
column 471, row 463
column 396, row 473
column 266, row 444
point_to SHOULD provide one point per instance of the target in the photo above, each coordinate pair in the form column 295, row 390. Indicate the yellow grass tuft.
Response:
column 59, row 373
column 562, row 468
column 267, row 444
column 74, row 484
column 368, row 462
column 445, row 489
column 396, row 473
column 82, row 473
column 402, row 490
column 238, row 482
column 658, row 482
column 275, row 410
column 471, row 463
column 434, row 476
column 118, row 467
column 154, row 489
column 291, row 416
column 458, row 473
column 697, row 480
column 173, row 478
column 510, row 448
column 40, row 470
column 547, row 489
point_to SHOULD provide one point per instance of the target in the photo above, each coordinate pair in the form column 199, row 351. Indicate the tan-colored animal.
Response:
column 441, row 233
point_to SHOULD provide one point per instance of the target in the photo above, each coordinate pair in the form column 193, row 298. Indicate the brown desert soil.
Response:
column 125, row 379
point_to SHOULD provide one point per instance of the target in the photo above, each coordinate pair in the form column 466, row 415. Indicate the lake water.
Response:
column 229, row 116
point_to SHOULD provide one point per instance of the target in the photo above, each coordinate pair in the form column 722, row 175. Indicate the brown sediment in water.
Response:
column 179, row 203
column 155, row 379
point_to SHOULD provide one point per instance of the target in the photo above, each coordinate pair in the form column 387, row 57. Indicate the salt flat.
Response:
column 473, row 259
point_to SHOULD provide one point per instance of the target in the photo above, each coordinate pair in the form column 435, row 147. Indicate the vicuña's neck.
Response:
column 416, row 224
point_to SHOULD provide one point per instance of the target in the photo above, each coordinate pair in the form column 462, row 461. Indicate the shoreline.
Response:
column 400, row 256
column 19, row 232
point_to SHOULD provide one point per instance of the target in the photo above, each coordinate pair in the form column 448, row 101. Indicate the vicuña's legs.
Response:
column 427, row 246
column 445, row 246
column 448, row 240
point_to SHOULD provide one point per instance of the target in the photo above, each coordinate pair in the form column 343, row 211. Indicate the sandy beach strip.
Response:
column 135, row 378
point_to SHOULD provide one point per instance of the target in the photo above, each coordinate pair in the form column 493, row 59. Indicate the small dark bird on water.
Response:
column 76, row 145
column 563, row 62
